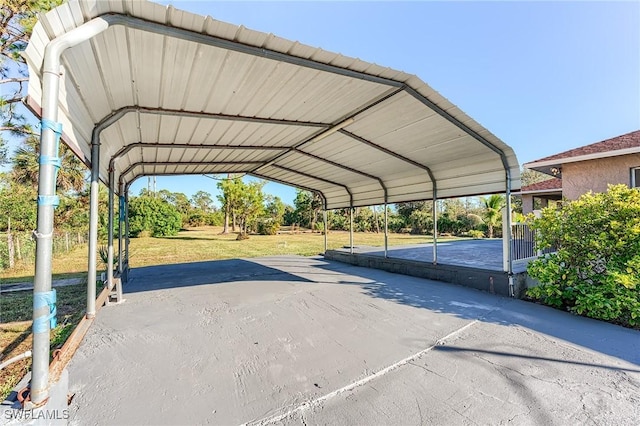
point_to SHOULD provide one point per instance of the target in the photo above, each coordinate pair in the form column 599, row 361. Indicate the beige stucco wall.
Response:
column 594, row 175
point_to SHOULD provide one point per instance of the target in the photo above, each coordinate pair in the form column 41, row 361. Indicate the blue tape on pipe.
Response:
column 51, row 125
column 121, row 209
column 51, row 161
column 48, row 200
column 45, row 322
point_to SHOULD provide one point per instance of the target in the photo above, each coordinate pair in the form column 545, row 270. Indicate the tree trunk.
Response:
column 375, row 218
column 225, row 230
column 12, row 260
column 18, row 248
column 490, row 226
column 233, row 221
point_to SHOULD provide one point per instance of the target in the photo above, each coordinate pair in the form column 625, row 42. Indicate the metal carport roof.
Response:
column 136, row 88
column 169, row 92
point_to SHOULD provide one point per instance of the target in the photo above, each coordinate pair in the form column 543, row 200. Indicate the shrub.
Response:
column 197, row 218
column 595, row 271
column 153, row 214
column 268, row 226
column 476, row 234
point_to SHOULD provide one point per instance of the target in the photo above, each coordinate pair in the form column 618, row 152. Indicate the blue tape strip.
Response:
column 51, row 125
column 53, row 161
column 48, row 200
column 45, row 322
column 121, row 209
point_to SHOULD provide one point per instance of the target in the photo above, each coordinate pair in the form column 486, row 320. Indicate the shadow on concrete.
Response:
column 457, row 349
column 202, row 273
column 471, row 304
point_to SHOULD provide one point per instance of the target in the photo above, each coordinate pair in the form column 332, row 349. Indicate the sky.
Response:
column 544, row 77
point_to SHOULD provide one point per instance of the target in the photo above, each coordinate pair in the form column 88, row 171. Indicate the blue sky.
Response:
column 543, row 76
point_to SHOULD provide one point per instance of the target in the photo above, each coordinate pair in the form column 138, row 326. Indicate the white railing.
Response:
column 523, row 245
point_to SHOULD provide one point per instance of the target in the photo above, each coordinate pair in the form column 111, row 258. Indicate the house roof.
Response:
column 549, row 185
column 620, row 145
column 165, row 91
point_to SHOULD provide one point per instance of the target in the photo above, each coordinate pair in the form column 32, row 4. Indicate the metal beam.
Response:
column 386, row 230
column 346, row 188
column 178, row 163
column 208, row 40
column 435, row 228
column 342, row 166
column 295, row 185
column 326, row 228
column 120, row 112
column 110, row 232
column 351, row 229
column 337, row 125
column 389, row 152
column 93, row 229
column 444, row 114
column 125, row 149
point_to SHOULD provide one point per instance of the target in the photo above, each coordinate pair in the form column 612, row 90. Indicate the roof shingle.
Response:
column 629, row 140
column 554, row 183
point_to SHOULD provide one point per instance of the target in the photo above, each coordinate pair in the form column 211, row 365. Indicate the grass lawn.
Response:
column 207, row 243
column 198, row 244
column 15, row 328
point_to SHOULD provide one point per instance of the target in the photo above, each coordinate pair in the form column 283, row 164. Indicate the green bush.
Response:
column 268, row 226
column 476, row 233
column 155, row 215
column 197, row 218
column 595, row 271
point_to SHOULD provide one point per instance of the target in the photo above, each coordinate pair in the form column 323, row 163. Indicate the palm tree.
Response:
column 71, row 176
column 492, row 214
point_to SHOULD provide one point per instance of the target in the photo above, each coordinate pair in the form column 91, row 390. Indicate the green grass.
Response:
column 15, row 325
column 207, row 243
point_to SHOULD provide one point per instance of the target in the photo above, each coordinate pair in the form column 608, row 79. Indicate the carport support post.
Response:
column 110, row 233
column 126, row 230
column 326, row 230
column 512, row 292
column 351, row 229
column 120, row 224
column 386, row 230
column 93, row 228
column 435, row 229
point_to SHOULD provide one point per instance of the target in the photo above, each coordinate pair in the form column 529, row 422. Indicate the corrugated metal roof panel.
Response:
column 398, row 129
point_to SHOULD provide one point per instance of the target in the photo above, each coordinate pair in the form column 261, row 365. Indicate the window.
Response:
column 635, row 177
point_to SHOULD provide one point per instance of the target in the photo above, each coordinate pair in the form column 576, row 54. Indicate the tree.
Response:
column 307, row 207
column 249, row 204
column 17, row 204
column 70, row 177
column 17, row 18
column 202, row 200
column 595, row 269
column 492, row 213
column 230, row 191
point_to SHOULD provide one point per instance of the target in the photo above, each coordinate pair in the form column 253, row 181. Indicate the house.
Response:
column 587, row 168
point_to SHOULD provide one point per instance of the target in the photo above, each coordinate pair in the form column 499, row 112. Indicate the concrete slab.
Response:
column 54, row 413
column 481, row 254
column 290, row 340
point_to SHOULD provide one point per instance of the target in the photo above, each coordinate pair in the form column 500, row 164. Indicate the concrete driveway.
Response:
column 293, row 340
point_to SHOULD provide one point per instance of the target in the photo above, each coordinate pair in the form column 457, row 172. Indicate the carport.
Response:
column 139, row 89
